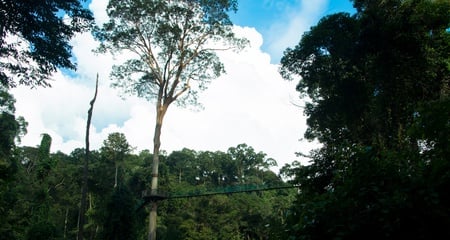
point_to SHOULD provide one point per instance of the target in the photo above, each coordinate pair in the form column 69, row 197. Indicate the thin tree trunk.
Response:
column 160, row 112
column 84, row 188
column 115, row 178
column 91, row 206
column 65, row 223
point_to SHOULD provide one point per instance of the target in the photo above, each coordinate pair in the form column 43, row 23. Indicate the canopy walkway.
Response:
column 149, row 196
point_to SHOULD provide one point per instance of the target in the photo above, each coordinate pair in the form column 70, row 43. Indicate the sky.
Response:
column 249, row 104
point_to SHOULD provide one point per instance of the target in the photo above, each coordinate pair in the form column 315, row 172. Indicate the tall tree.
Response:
column 378, row 84
column 45, row 162
column 181, row 163
column 11, row 129
column 34, row 38
column 247, row 160
column 173, row 54
column 115, row 148
column 84, row 188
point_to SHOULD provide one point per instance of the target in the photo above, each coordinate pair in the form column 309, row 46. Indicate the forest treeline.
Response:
column 41, row 198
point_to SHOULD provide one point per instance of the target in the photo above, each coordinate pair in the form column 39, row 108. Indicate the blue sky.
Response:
column 262, row 13
column 270, row 16
column 250, row 104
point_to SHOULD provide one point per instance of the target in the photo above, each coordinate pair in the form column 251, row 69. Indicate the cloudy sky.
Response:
column 251, row 104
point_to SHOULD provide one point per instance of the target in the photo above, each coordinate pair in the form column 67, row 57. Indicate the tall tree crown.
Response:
column 171, row 43
column 378, row 87
column 378, row 65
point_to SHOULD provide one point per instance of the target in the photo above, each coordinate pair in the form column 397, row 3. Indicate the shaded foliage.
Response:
column 34, row 38
column 378, row 86
column 120, row 222
column 43, row 202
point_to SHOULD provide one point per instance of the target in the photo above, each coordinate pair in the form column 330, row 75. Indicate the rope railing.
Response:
column 227, row 190
column 150, row 196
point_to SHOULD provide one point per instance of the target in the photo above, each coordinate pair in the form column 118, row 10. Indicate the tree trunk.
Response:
column 160, row 112
column 115, row 177
column 84, row 188
column 65, row 223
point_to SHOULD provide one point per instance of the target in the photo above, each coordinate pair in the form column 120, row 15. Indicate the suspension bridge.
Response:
column 149, row 196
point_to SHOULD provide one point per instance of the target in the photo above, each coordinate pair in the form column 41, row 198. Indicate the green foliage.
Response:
column 11, row 129
column 42, row 231
column 171, row 45
column 45, row 163
column 378, row 87
column 120, row 222
column 115, row 148
column 247, row 160
column 43, row 200
column 34, row 38
column 236, row 216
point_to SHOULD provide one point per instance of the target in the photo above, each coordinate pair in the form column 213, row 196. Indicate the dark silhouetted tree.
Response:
column 34, row 38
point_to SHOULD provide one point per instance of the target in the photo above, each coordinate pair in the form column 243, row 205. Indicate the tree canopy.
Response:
column 172, row 46
column 374, row 79
column 42, row 198
column 34, row 38
column 12, row 128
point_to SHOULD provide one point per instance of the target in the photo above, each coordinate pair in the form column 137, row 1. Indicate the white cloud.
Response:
column 287, row 31
column 98, row 7
column 250, row 104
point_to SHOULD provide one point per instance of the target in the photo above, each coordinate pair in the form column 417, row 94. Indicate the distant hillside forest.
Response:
column 41, row 194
